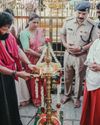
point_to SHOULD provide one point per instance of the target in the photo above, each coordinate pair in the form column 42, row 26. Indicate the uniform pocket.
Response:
column 84, row 36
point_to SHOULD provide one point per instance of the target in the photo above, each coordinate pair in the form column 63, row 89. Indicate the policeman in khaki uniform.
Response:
column 77, row 35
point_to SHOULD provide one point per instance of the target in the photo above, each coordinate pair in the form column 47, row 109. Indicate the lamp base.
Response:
column 40, row 118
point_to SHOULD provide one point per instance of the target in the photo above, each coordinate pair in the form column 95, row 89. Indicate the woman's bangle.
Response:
column 14, row 73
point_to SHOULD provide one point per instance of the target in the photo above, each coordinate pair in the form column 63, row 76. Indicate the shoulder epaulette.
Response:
column 69, row 18
column 91, row 21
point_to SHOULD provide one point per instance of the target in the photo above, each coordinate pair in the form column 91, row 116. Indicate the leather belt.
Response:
column 77, row 55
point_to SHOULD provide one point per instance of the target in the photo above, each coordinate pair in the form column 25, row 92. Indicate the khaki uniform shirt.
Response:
column 73, row 31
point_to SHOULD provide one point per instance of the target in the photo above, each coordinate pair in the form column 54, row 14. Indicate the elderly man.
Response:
column 77, row 35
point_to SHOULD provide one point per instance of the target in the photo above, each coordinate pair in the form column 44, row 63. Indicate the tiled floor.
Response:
column 71, row 114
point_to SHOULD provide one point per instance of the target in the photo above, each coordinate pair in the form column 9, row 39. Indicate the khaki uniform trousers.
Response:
column 74, row 67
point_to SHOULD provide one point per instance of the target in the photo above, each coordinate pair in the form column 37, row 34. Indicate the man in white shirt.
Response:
column 91, row 100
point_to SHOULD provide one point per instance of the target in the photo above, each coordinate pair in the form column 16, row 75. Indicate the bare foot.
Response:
column 24, row 103
column 77, row 103
column 65, row 99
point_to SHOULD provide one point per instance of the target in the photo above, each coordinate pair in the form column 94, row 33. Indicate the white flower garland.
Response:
column 42, row 96
column 58, row 93
column 59, row 85
column 58, row 97
column 43, row 54
column 36, row 87
column 53, row 55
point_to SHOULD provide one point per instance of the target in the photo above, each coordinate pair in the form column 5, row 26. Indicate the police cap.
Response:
column 98, row 6
column 83, row 6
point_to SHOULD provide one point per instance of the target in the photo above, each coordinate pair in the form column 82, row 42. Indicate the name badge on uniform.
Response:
column 70, row 29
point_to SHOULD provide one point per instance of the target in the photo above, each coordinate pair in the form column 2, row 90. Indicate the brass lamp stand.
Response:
column 48, row 100
column 48, row 75
column 47, row 70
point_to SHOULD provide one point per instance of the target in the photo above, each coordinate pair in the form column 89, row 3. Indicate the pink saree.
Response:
column 35, row 43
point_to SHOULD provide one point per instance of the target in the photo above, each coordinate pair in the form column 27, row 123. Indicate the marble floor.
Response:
column 71, row 114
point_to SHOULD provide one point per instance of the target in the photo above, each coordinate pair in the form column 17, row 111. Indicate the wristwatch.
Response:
column 81, row 48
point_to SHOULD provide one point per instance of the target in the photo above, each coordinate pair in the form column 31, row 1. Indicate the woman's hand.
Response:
column 41, row 48
column 74, row 49
column 23, row 75
column 34, row 68
column 31, row 66
column 94, row 67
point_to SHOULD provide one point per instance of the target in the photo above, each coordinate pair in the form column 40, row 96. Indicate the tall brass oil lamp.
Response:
column 48, row 75
column 47, row 70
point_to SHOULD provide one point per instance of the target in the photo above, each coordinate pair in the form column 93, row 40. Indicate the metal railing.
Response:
column 52, row 13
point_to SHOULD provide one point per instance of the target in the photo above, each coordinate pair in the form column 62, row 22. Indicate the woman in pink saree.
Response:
column 32, row 39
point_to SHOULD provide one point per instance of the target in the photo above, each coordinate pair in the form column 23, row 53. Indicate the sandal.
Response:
column 65, row 99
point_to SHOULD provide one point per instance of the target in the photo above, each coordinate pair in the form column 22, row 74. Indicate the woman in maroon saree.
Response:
column 32, row 40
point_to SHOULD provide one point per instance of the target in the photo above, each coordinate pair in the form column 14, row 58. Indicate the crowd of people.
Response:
column 20, row 51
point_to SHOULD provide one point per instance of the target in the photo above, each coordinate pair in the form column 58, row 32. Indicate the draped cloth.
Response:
column 9, row 54
column 91, row 107
column 35, row 43
column 9, row 114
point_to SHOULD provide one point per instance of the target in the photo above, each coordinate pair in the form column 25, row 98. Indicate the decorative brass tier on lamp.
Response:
column 47, row 70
